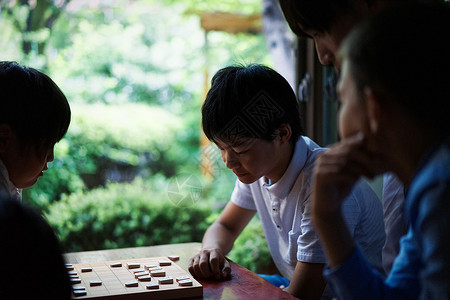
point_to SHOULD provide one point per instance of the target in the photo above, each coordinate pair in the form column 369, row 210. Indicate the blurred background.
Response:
column 134, row 168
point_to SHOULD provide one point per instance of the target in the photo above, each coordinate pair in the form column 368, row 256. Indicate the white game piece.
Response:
column 75, row 280
column 78, row 287
column 145, row 278
column 173, row 257
column 165, row 280
column 69, row 267
column 116, row 264
column 86, row 269
column 184, row 277
column 152, row 286
column 79, row 293
column 148, row 266
column 154, row 269
column 186, row 282
column 131, row 283
column 95, row 282
column 72, row 273
column 165, row 263
column 139, row 270
column 138, row 274
column 132, row 265
column 158, row 273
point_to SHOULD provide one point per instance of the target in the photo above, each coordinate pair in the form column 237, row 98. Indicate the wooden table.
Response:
column 244, row 284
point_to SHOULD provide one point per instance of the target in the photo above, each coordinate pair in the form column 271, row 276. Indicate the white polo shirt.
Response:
column 6, row 186
column 284, row 209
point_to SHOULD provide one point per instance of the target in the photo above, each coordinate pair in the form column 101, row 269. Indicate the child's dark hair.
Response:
column 32, row 105
column 403, row 52
column 249, row 101
column 318, row 14
column 321, row 15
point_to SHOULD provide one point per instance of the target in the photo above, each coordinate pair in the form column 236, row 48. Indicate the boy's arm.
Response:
column 218, row 241
column 307, row 282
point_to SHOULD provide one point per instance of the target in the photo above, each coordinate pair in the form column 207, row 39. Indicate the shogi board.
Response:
column 113, row 281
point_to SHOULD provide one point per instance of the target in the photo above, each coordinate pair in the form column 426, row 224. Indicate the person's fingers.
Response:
column 226, row 270
column 204, row 266
column 216, row 261
column 194, row 267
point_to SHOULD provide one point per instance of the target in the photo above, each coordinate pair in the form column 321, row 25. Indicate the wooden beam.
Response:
column 231, row 23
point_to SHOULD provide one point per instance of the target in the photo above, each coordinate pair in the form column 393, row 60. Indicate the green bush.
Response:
column 110, row 143
column 126, row 215
column 250, row 249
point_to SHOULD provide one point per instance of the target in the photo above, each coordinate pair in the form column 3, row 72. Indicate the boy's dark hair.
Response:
column 249, row 101
column 403, row 52
column 321, row 15
column 33, row 105
column 317, row 14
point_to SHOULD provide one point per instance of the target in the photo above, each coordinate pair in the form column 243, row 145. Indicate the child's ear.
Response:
column 285, row 132
column 375, row 112
column 5, row 135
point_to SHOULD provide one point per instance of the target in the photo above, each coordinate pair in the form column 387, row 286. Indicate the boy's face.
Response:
column 353, row 112
column 328, row 42
column 252, row 158
column 25, row 164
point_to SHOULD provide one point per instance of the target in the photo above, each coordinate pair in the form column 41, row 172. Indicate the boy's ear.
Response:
column 285, row 132
column 5, row 135
column 375, row 113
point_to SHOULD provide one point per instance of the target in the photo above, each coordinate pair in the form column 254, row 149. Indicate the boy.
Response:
column 34, row 115
column 394, row 116
column 251, row 114
column 327, row 22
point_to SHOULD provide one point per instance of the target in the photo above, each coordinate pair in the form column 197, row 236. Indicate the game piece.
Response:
column 185, row 282
column 95, row 282
column 152, row 286
column 173, row 257
column 120, row 282
column 145, row 278
column 165, row 263
column 72, row 273
column 74, row 276
column 165, row 280
column 136, row 275
column 132, row 283
column 69, row 267
column 137, row 270
column 132, row 265
column 87, row 269
column 148, row 266
column 158, row 273
column 75, row 280
column 116, row 264
column 184, row 277
column 79, row 293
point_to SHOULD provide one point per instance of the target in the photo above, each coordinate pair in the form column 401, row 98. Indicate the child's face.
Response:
column 328, row 43
column 25, row 164
column 353, row 112
column 252, row 158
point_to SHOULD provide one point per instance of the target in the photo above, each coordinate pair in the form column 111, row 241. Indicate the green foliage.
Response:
column 250, row 249
column 126, row 215
column 109, row 143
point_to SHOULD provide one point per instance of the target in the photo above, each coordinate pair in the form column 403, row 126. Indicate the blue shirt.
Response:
column 422, row 268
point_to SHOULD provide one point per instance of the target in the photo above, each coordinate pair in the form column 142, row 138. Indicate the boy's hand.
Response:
column 210, row 264
column 338, row 169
